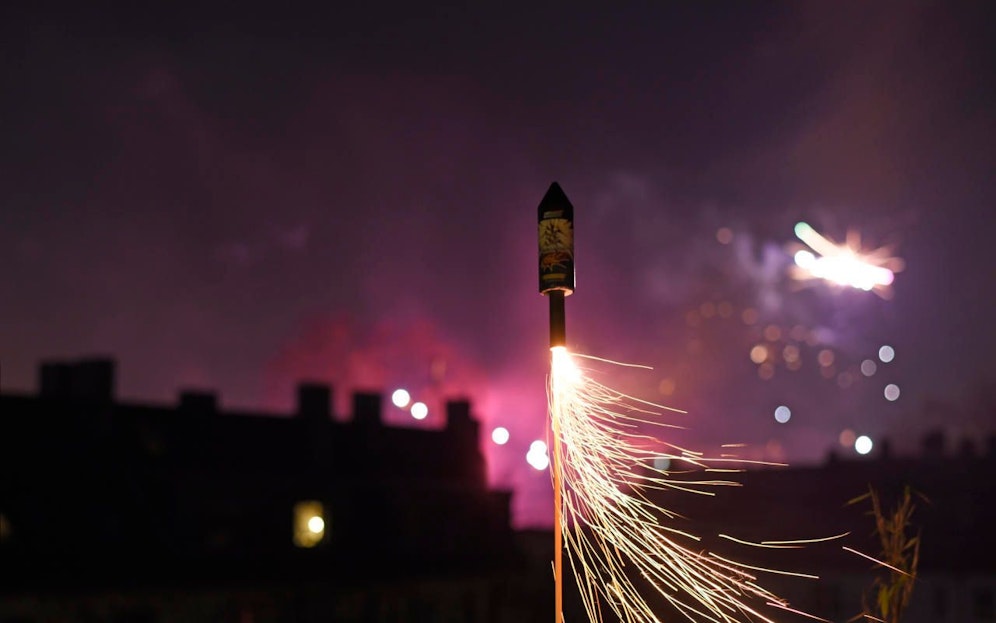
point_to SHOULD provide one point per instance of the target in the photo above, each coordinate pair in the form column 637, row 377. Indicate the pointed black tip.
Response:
column 555, row 196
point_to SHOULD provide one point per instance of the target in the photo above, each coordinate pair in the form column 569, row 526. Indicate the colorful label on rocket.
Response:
column 556, row 254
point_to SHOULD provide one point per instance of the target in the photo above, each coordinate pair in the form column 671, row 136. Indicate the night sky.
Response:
column 243, row 198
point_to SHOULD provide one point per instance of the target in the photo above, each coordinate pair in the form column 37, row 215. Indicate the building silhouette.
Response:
column 99, row 497
column 120, row 512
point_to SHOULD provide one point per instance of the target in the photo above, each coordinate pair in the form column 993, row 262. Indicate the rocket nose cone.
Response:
column 555, row 195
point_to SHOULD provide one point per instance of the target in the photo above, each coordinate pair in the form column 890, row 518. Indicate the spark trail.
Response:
column 603, row 467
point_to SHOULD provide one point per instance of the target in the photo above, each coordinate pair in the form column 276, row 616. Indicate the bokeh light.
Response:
column 863, row 444
column 847, row 438
column 868, row 367
column 790, row 353
column 766, row 371
column 500, row 435
column 891, row 392
column 400, row 398
column 692, row 318
column 825, row 358
column 316, row 525
column 886, row 354
column 667, row 386
column 537, row 456
column 759, row 353
column 420, row 411
column 724, row 235
column 782, row 414
column 804, row 259
column 662, row 463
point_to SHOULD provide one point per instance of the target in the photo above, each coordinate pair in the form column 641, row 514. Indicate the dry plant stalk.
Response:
column 900, row 555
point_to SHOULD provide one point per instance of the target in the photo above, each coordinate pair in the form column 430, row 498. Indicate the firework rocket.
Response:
column 556, row 257
column 556, row 280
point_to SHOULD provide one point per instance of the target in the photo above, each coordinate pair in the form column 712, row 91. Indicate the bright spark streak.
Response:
column 876, row 561
column 844, row 264
column 822, row 539
column 808, row 576
column 753, row 544
column 613, row 532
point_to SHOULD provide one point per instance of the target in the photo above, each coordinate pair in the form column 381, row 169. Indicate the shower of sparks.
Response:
column 844, row 264
column 614, row 533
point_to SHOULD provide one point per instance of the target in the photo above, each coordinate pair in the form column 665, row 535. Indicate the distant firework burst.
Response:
column 844, row 264
column 614, row 533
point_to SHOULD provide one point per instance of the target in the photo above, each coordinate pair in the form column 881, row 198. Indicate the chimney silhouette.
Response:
column 466, row 430
column 458, row 412
column 367, row 408
column 314, row 402
column 55, row 380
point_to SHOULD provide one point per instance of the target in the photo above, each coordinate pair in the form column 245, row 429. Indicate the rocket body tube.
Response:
column 556, row 257
column 558, row 324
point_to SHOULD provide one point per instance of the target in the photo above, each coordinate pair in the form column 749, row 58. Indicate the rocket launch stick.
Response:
column 556, row 281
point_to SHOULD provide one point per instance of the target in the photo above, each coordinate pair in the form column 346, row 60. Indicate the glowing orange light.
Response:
column 309, row 523
column 759, row 353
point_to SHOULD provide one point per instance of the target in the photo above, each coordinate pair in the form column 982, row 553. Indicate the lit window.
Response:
column 309, row 523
